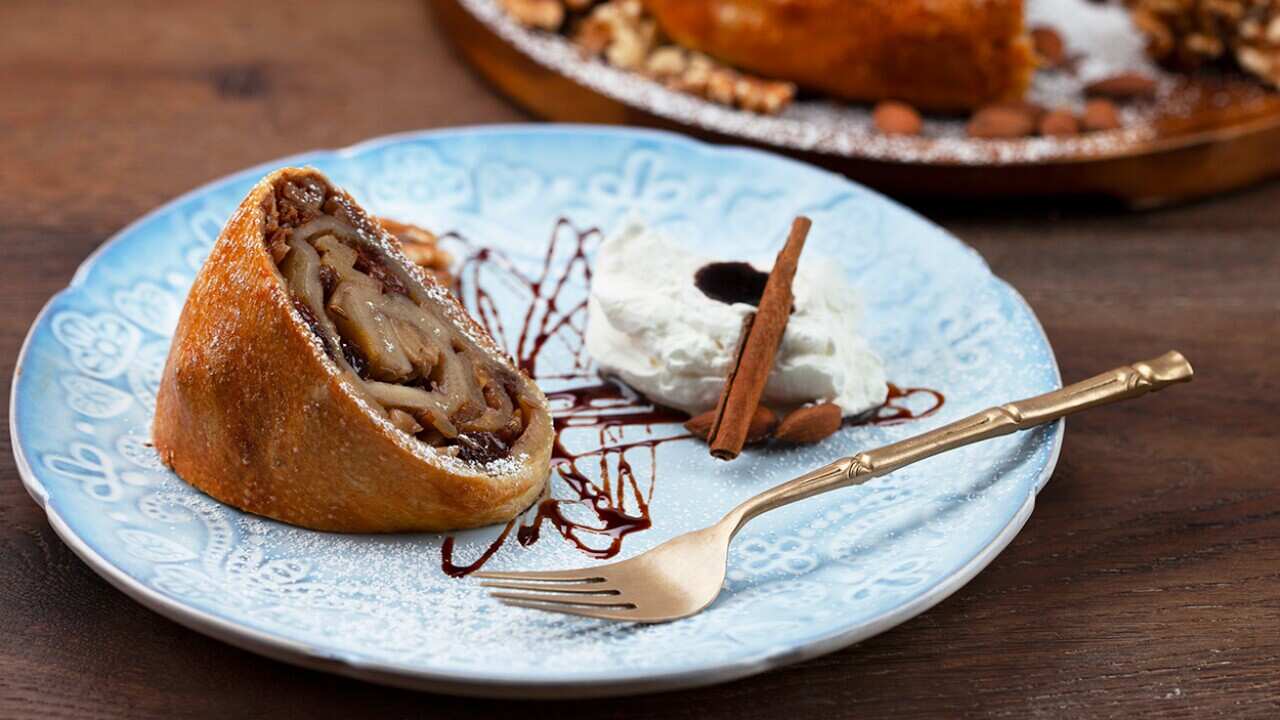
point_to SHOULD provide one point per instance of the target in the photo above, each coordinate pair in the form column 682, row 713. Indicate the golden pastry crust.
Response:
column 935, row 54
column 253, row 412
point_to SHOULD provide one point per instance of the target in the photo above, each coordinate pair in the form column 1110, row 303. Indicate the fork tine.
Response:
column 596, row 588
column 583, row 575
column 614, row 600
column 603, row 613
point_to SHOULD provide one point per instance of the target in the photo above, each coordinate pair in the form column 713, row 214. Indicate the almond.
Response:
column 1059, row 123
column 1123, row 86
column 1001, row 121
column 763, row 421
column 810, row 424
column 896, row 118
column 1026, row 107
column 1049, row 45
column 1099, row 115
column 700, row 425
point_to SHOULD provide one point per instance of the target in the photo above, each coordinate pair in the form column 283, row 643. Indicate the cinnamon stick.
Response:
column 757, row 346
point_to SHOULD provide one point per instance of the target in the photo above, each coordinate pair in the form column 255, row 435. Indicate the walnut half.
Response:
column 1187, row 34
column 423, row 248
column 626, row 36
column 541, row 14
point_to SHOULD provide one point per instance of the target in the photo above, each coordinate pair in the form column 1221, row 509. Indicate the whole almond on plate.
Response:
column 700, row 425
column 1122, row 86
column 896, row 118
column 1049, row 45
column 810, row 424
column 1026, row 107
column 763, row 420
column 1001, row 121
column 1059, row 123
column 1099, row 115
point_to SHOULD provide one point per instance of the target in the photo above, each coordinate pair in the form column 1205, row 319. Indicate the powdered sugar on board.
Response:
column 1101, row 36
column 1102, row 42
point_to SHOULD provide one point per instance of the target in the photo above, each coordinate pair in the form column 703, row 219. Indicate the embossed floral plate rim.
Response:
column 281, row 646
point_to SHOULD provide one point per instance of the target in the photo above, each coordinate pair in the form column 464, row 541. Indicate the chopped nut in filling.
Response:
column 423, row 248
column 391, row 335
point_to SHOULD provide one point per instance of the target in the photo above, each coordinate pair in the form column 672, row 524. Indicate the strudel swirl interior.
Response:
column 320, row 378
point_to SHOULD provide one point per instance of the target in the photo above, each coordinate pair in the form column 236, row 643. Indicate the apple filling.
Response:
column 392, row 335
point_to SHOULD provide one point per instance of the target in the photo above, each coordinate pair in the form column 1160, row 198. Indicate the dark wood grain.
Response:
column 1147, row 583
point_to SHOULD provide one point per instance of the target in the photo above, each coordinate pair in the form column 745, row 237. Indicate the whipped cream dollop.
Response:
column 650, row 325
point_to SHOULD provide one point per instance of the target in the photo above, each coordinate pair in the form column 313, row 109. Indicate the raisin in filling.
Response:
column 391, row 335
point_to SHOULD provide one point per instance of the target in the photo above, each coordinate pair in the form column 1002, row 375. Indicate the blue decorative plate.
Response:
column 803, row 580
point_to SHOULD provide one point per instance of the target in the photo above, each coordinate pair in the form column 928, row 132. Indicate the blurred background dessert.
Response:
column 1126, row 98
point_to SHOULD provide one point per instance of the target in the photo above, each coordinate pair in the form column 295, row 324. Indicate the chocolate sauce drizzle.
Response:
column 895, row 409
column 595, row 516
column 596, row 407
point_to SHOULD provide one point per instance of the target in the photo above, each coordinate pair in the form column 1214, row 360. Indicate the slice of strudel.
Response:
column 319, row 377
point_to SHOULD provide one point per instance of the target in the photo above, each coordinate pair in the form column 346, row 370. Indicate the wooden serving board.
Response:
column 1208, row 135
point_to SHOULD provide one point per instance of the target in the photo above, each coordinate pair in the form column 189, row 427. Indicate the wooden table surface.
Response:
column 1147, row 583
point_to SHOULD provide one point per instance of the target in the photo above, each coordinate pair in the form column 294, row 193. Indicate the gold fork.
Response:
column 683, row 575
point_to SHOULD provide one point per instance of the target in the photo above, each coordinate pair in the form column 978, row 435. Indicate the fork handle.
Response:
column 1122, row 383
